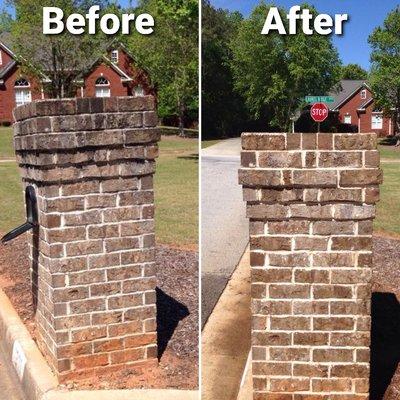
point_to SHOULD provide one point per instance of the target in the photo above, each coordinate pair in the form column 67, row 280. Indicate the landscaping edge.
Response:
column 36, row 378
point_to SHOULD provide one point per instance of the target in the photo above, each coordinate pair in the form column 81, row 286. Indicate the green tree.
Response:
column 274, row 72
column 62, row 57
column 353, row 71
column 170, row 54
column 6, row 21
column 385, row 71
column 222, row 108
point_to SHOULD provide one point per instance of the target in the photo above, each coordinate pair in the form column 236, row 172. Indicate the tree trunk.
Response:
column 181, row 119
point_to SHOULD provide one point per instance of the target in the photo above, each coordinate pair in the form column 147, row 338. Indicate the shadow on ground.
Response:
column 385, row 344
column 169, row 313
column 189, row 157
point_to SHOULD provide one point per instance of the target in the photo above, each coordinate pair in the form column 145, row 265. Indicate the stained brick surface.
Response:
column 311, row 202
column 91, row 162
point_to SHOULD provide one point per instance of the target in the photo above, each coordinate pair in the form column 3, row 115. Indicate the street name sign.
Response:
column 319, row 99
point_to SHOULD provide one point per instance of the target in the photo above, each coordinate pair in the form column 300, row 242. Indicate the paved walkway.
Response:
column 10, row 388
column 224, row 232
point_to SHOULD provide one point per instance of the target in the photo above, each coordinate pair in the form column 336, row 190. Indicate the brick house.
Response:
column 354, row 106
column 113, row 74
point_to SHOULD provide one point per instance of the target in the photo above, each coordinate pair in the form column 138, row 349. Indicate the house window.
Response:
column 377, row 121
column 138, row 91
column 363, row 94
column 114, row 56
column 347, row 119
column 102, row 87
column 22, row 92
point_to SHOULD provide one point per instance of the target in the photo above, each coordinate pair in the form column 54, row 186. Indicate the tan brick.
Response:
column 265, row 178
column 288, row 227
column 332, row 291
column 331, row 385
column 310, row 178
column 333, row 324
column 289, row 354
column 311, row 339
column 311, row 243
column 254, row 141
column 290, row 323
column 270, row 243
column 332, row 355
column 361, row 177
column 333, row 228
column 355, row 142
column 352, row 243
column 289, row 385
column 271, row 275
column 332, row 159
column 279, row 160
column 310, row 307
column 270, row 339
column 310, row 370
column 292, row 291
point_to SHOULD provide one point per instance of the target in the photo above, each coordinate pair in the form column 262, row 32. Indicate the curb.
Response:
column 222, row 353
column 34, row 374
column 37, row 379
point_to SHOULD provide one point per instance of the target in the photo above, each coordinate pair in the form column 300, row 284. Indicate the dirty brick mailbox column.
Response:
column 310, row 200
column 91, row 163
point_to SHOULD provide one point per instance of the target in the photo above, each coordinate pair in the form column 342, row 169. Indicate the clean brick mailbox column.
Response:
column 310, row 200
column 91, row 162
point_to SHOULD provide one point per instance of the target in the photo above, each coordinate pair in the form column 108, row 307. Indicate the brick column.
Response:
column 91, row 162
column 311, row 203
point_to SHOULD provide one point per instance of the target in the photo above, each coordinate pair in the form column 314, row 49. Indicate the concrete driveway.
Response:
column 224, row 227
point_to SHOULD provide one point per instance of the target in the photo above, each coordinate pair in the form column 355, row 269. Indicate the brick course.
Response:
column 91, row 162
column 311, row 202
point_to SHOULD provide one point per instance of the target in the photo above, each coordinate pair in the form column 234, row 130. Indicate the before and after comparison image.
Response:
column 199, row 200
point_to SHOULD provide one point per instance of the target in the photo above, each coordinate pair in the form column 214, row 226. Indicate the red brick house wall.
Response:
column 122, row 83
column 362, row 119
column 351, row 106
column 7, row 93
column 366, row 123
column 117, row 88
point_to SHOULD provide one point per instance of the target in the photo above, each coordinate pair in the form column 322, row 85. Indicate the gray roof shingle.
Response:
column 345, row 89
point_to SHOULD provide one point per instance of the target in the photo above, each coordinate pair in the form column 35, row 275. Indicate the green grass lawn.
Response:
column 6, row 147
column 389, row 152
column 388, row 210
column 176, row 190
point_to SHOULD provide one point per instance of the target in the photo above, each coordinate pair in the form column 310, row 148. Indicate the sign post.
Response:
column 319, row 112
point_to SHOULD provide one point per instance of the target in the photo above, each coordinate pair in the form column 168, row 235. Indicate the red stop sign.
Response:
column 319, row 112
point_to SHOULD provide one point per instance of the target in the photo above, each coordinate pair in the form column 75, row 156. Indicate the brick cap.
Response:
column 85, row 105
column 308, row 141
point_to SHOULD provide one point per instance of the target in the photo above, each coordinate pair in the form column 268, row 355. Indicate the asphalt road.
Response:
column 224, row 227
column 10, row 388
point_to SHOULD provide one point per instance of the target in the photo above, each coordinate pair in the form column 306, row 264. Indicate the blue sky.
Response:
column 365, row 15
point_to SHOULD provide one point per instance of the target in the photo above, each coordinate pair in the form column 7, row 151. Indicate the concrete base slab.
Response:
column 226, row 338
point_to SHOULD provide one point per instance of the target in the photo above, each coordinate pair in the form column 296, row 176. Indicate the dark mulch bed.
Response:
column 177, row 304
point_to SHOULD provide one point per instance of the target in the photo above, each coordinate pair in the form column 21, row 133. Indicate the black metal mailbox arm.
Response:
column 31, row 216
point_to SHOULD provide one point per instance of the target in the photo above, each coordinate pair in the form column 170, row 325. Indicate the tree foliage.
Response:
column 6, row 21
column 62, row 57
column 354, row 71
column 222, row 109
column 274, row 72
column 385, row 71
column 170, row 54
